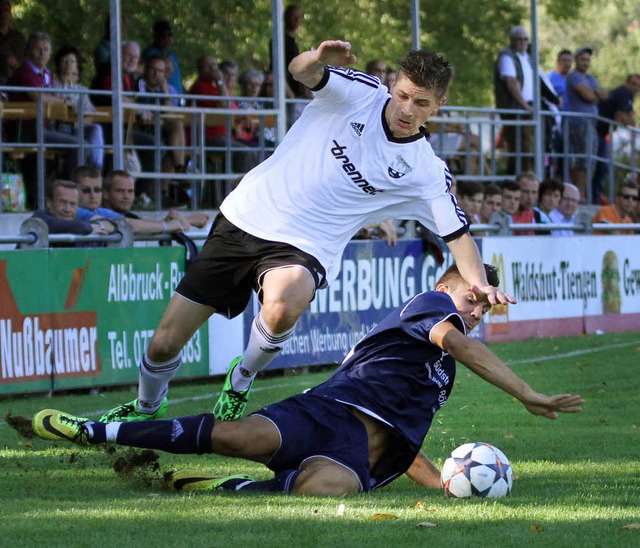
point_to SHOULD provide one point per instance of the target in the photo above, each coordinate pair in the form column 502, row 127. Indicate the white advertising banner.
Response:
column 565, row 285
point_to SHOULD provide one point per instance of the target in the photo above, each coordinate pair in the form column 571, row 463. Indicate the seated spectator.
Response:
column 12, row 41
column 68, row 71
column 620, row 211
column 161, row 47
column 391, row 77
column 491, row 202
column 34, row 73
column 267, row 89
column 8, row 65
column 247, row 129
column 550, row 192
column 61, row 212
column 510, row 203
column 118, row 195
column 566, row 211
column 377, row 68
column 154, row 81
column 470, row 196
column 528, row 183
column 229, row 71
column 89, row 181
column 210, row 82
column 385, row 230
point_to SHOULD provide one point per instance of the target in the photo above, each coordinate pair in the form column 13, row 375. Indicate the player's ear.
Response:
column 442, row 288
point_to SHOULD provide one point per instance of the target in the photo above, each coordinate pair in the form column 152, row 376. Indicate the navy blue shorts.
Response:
column 313, row 426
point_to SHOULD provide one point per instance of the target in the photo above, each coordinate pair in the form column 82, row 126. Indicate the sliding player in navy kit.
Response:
column 358, row 430
column 357, row 156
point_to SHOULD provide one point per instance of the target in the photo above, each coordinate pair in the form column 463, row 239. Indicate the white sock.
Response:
column 153, row 382
column 263, row 346
column 111, row 431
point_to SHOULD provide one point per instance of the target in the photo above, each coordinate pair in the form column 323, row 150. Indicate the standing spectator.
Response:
column 558, row 77
column 567, row 208
column 102, row 52
column 549, row 193
column 584, row 93
column 12, row 41
column 34, row 73
column 528, row 183
column 161, row 47
column 68, row 71
column 470, row 195
column 491, row 202
column 513, row 87
column 621, row 210
column 618, row 106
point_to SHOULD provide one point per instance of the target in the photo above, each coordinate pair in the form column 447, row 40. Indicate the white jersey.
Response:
column 339, row 169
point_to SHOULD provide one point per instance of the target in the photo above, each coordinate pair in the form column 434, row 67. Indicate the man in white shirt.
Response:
column 358, row 155
column 566, row 212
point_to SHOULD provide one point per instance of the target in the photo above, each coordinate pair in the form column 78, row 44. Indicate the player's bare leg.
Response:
column 323, row 477
column 286, row 293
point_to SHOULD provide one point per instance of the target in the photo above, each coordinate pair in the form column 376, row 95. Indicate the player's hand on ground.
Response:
column 336, row 53
column 494, row 295
column 550, row 406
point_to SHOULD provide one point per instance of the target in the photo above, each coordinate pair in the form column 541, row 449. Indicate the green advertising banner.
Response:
column 72, row 318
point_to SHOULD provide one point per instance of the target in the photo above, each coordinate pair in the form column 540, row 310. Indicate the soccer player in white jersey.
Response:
column 358, row 155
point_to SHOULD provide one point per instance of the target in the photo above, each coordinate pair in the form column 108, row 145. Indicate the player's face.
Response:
column 410, row 107
column 64, row 203
column 121, row 194
column 469, row 306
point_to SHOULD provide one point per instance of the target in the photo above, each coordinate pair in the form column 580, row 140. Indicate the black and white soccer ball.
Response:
column 477, row 470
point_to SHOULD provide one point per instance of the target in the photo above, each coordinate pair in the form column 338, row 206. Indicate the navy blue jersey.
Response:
column 395, row 373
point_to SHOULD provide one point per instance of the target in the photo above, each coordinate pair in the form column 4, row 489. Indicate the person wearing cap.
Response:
column 584, row 93
column 161, row 47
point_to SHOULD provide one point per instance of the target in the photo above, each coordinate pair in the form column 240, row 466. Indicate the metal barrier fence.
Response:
column 467, row 138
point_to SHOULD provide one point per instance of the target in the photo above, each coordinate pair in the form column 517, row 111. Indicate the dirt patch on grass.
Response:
column 21, row 425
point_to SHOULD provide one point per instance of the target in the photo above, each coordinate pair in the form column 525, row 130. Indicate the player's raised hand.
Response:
column 550, row 406
column 336, row 53
column 493, row 294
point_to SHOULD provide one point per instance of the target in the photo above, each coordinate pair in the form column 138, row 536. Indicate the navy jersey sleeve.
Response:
column 427, row 310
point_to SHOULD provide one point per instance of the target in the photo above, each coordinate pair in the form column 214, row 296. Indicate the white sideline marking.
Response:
column 574, row 353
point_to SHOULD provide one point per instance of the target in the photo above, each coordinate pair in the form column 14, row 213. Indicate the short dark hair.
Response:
column 59, row 183
column 564, row 52
column 428, row 70
column 63, row 52
column 509, row 184
column 469, row 188
column 550, row 185
column 106, row 183
column 452, row 276
column 83, row 171
column 491, row 190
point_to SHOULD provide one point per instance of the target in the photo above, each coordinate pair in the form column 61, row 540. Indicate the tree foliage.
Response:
column 469, row 33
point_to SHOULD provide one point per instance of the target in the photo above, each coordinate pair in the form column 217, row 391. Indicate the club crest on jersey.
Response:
column 399, row 168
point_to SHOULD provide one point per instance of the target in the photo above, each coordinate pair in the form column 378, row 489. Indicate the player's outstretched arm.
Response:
column 308, row 67
column 424, row 472
column 484, row 363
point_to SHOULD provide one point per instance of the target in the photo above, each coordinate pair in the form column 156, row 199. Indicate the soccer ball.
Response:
column 477, row 469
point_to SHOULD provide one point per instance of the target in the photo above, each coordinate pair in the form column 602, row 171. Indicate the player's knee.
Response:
column 280, row 316
column 164, row 346
column 331, row 480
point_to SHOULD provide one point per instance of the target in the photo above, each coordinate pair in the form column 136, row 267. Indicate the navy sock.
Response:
column 186, row 435
column 282, row 483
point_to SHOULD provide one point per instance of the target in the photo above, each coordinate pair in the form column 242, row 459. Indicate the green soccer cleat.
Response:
column 51, row 424
column 194, row 480
column 231, row 403
column 129, row 412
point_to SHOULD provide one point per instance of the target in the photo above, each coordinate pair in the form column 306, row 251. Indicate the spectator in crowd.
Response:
column 154, row 81
column 513, row 88
column 584, row 93
column 567, row 208
column 549, row 192
column 491, row 202
column 267, row 89
column 528, row 183
column 89, row 181
column 61, row 212
column 470, row 195
column 247, row 129
column 161, row 47
column 12, row 41
column 68, row 71
column 558, row 79
column 8, row 65
column 34, row 73
column 378, row 68
column 632, row 177
column 510, row 203
column 618, row 106
column 118, row 195
column 391, row 77
column 229, row 71
column 620, row 211
column 210, row 82
column 102, row 52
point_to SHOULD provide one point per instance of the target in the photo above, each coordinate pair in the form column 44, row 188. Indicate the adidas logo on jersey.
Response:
column 358, row 128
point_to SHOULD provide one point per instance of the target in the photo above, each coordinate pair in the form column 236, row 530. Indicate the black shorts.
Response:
column 231, row 265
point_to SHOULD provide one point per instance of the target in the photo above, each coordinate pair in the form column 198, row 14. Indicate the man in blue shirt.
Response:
column 361, row 428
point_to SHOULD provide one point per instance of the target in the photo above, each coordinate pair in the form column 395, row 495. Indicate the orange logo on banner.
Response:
column 49, row 345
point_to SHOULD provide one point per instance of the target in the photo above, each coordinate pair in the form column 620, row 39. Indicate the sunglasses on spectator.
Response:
column 88, row 190
column 629, row 197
